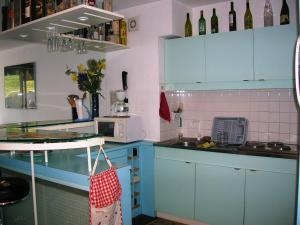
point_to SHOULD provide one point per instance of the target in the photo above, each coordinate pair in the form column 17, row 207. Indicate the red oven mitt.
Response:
column 164, row 110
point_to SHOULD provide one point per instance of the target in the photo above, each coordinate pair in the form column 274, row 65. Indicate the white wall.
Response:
column 141, row 61
column 53, row 86
column 179, row 11
column 272, row 113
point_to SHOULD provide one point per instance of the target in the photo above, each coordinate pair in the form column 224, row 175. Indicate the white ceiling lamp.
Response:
column 82, row 18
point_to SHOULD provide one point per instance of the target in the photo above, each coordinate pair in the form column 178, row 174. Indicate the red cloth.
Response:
column 164, row 110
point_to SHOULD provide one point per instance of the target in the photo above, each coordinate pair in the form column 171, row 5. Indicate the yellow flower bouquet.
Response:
column 88, row 78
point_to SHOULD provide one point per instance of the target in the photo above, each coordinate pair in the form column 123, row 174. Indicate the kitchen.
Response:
column 53, row 86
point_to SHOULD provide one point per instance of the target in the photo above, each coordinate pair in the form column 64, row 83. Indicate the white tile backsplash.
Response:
column 272, row 113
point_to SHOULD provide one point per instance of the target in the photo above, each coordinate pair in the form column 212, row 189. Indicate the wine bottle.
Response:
column 123, row 32
column 17, row 12
column 214, row 22
column 91, row 2
column 232, row 18
column 4, row 10
column 50, row 7
column 102, row 32
column 248, row 22
column 11, row 17
column 268, row 14
column 284, row 14
column 188, row 26
column 26, row 11
column 38, row 9
column 107, row 5
column 60, row 5
column 202, row 24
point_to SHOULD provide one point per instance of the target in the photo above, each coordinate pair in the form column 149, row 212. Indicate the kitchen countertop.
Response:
column 40, row 123
column 67, row 167
column 230, row 149
column 31, row 132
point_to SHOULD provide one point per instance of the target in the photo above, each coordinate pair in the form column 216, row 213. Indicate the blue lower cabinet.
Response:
column 219, row 195
column 269, row 198
column 175, row 187
column 225, row 189
column 141, row 159
column 147, row 175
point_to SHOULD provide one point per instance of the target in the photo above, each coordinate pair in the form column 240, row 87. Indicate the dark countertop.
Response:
column 230, row 149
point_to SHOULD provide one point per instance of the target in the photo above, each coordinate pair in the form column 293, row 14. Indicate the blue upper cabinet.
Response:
column 185, row 60
column 274, row 52
column 229, row 56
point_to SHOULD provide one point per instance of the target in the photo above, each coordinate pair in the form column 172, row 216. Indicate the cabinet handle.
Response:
column 198, row 82
column 261, row 79
column 188, row 162
column 245, row 80
column 252, row 170
column 237, row 168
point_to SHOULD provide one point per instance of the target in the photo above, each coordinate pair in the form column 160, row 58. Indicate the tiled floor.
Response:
column 160, row 221
column 147, row 220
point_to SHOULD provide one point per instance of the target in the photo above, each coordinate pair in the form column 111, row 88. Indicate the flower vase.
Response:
column 94, row 105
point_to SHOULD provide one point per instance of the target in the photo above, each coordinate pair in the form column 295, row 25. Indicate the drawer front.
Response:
column 226, row 159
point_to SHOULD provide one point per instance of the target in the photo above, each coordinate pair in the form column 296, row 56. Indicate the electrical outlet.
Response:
column 132, row 24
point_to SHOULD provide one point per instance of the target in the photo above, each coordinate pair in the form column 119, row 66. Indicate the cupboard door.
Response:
column 274, row 52
column 185, row 60
column 175, row 186
column 219, row 195
column 229, row 56
column 269, row 198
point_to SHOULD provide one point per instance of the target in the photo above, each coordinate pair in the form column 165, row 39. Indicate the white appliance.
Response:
column 120, row 129
column 119, row 107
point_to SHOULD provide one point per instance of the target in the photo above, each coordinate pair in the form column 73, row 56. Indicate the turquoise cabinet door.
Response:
column 219, row 195
column 269, row 198
column 175, row 186
column 229, row 56
column 185, row 60
column 274, row 52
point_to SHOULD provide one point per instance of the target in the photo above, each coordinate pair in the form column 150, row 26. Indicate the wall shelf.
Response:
column 65, row 21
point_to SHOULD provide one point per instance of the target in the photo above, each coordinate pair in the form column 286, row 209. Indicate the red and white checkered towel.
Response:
column 105, row 188
column 105, row 196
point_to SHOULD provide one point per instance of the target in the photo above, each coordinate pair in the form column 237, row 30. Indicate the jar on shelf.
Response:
column 107, row 5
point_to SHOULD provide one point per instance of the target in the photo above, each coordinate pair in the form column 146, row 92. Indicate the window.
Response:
column 19, row 82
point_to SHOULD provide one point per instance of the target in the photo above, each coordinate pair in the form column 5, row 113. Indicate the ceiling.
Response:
column 123, row 4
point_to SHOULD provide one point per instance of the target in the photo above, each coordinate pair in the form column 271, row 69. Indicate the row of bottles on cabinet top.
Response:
column 248, row 19
column 17, row 12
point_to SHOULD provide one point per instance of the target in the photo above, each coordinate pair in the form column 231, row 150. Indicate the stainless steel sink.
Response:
column 185, row 144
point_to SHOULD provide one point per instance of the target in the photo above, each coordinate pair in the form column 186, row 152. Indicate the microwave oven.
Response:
column 120, row 129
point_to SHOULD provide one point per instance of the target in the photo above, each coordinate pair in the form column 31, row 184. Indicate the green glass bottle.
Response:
column 214, row 22
column 232, row 18
column 248, row 22
column 202, row 24
column 284, row 14
column 188, row 26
